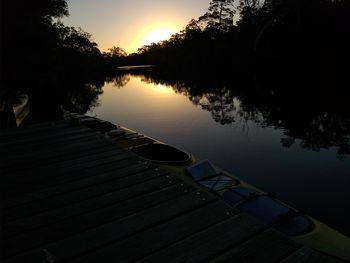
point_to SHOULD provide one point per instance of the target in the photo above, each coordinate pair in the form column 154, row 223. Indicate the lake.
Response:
column 277, row 150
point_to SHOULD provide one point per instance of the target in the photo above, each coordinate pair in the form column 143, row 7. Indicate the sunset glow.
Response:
column 158, row 35
column 132, row 24
column 153, row 33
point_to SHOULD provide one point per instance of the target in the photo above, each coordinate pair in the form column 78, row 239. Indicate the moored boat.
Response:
column 21, row 108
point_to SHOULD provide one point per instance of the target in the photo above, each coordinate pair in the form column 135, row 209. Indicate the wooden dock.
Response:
column 68, row 194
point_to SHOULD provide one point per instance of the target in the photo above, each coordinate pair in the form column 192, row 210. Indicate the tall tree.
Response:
column 219, row 15
column 26, row 35
column 249, row 9
column 43, row 58
column 115, row 52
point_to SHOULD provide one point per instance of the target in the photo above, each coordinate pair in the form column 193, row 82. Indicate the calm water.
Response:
column 215, row 126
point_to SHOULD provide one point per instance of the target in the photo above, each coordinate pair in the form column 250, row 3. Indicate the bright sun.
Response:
column 157, row 35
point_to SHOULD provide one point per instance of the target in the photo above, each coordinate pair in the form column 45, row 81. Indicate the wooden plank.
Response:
column 49, row 136
column 45, row 134
column 78, row 195
column 60, row 160
column 28, row 156
column 59, row 177
column 156, row 238
column 269, row 246
column 210, row 242
column 74, row 150
column 25, row 150
column 35, row 130
column 105, row 174
column 50, row 149
column 54, row 215
column 32, row 129
column 103, row 209
column 40, row 150
column 100, row 235
column 307, row 255
column 46, row 178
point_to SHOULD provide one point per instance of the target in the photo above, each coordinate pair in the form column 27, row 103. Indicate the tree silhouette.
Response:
column 219, row 16
column 220, row 104
column 58, row 60
column 249, row 10
column 119, row 81
column 115, row 52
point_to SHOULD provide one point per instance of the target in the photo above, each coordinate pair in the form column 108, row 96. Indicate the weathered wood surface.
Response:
column 68, row 194
column 307, row 255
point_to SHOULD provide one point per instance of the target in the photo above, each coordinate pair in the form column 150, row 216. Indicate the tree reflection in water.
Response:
column 84, row 99
column 308, row 117
column 119, row 81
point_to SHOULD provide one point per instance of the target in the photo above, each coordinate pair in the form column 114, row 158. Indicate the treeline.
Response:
column 47, row 60
column 292, row 43
column 253, row 35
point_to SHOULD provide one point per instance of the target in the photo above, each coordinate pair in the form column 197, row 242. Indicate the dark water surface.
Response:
column 300, row 154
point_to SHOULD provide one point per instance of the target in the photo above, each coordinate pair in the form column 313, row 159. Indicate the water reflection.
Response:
column 83, row 99
column 318, row 121
column 119, row 81
column 267, row 137
column 78, row 94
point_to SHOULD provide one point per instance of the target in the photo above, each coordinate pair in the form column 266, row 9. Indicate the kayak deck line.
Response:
column 71, row 193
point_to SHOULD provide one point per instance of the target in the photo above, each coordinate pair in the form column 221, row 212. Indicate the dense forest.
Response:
column 301, row 44
column 260, row 37
column 56, row 65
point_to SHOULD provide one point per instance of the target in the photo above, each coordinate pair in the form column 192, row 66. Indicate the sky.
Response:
column 130, row 24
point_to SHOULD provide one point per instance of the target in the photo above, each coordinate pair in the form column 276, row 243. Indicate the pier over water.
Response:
column 69, row 194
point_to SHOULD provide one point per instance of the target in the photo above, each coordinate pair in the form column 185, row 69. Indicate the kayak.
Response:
column 21, row 108
column 235, row 192
column 13, row 110
column 272, row 211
